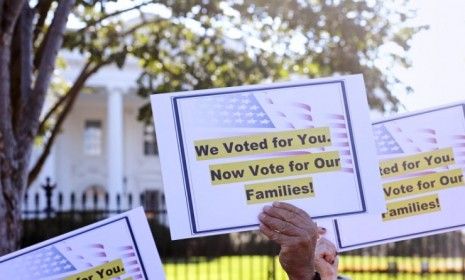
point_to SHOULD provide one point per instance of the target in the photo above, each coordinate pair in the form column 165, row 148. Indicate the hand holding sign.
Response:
column 296, row 233
column 326, row 259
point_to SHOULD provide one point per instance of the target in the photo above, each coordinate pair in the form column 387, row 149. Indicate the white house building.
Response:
column 102, row 147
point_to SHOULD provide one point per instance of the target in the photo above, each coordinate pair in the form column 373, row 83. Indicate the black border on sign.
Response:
column 405, row 236
column 187, row 187
column 83, row 232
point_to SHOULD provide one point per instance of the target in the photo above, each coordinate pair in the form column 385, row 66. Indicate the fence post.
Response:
column 272, row 269
column 48, row 187
column 462, row 246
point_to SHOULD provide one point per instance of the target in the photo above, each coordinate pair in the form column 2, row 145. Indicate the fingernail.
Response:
column 276, row 203
column 321, row 231
column 261, row 216
column 266, row 207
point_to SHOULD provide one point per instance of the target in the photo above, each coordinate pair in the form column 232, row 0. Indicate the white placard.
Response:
column 225, row 153
column 422, row 161
column 119, row 247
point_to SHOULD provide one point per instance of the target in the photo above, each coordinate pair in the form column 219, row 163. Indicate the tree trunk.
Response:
column 20, row 104
column 10, row 211
column 11, row 167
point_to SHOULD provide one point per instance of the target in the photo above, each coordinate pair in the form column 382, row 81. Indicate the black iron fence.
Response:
column 246, row 255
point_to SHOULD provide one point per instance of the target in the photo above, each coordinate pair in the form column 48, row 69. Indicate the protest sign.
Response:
column 120, row 247
column 227, row 152
column 421, row 163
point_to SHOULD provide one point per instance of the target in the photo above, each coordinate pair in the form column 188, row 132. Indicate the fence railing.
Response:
column 246, row 255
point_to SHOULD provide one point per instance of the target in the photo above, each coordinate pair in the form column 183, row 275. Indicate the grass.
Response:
column 403, row 264
column 404, row 276
column 355, row 267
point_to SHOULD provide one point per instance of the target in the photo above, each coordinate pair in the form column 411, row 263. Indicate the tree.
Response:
column 22, row 92
column 183, row 44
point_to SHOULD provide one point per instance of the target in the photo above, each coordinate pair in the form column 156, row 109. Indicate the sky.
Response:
column 437, row 74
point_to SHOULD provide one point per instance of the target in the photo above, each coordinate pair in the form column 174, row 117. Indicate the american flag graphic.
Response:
column 59, row 261
column 391, row 139
column 244, row 114
column 98, row 253
column 242, row 110
column 394, row 141
column 43, row 263
column 385, row 143
column 298, row 114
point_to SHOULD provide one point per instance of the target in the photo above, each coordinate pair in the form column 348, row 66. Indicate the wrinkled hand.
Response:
column 326, row 259
column 296, row 233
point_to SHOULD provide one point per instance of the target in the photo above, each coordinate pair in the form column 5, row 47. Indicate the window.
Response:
column 93, row 138
column 150, row 142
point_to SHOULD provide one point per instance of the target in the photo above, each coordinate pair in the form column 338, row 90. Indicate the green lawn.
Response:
column 260, row 267
column 404, row 264
column 404, row 276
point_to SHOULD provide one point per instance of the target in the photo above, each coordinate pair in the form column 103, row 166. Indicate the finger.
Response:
column 278, row 237
column 331, row 247
column 333, row 261
column 290, row 217
column 292, row 208
column 332, row 257
column 321, row 230
column 326, row 250
column 329, row 258
column 279, row 225
column 324, row 245
column 271, row 234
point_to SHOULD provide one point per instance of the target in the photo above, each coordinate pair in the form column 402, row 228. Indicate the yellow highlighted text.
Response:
column 106, row 271
column 279, row 190
column 410, row 164
column 412, row 207
column 274, row 167
column 262, row 143
column 423, row 184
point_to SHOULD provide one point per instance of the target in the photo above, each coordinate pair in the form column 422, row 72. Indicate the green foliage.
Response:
column 197, row 44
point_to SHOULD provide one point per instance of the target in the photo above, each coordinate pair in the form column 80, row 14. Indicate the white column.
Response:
column 115, row 144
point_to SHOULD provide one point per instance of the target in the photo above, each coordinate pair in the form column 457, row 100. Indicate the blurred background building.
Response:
column 102, row 146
